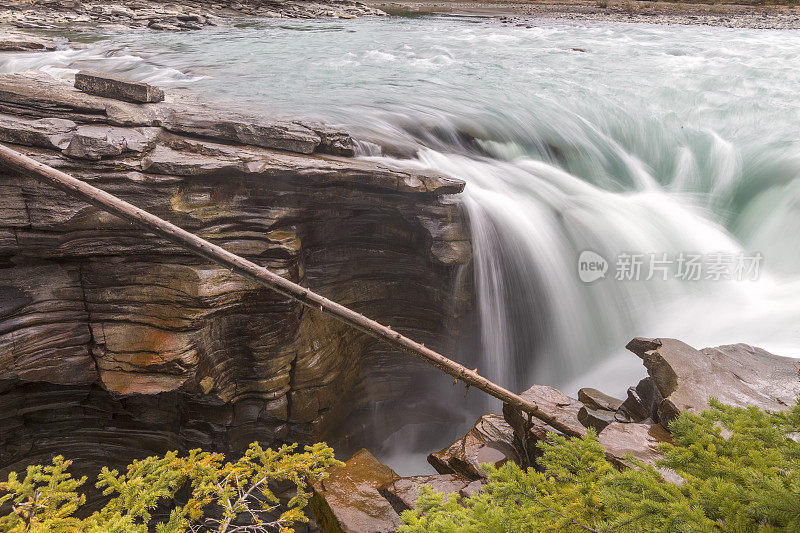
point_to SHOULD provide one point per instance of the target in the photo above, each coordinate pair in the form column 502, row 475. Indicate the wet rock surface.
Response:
column 489, row 441
column 595, row 399
column 642, row 403
column 349, row 501
column 115, row 344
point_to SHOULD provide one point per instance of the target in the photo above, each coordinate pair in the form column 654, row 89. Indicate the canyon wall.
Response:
column 116, row 344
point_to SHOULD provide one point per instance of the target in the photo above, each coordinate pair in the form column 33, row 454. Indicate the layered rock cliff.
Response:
column 115, row 344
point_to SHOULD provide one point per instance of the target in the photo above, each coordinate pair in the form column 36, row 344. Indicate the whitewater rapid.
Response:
column 618, row 139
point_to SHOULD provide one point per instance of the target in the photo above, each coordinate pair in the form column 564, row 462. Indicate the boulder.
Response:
column 402, row 493
column 110, row 86
column 489, row 441
column 737, row 374
column 349, row 501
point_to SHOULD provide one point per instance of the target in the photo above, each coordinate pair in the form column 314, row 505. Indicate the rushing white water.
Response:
column 604, row 137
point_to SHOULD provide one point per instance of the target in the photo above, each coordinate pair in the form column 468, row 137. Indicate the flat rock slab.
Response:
column 110, row 86
column 252, row 130
column 490, row 441
column 349, row 501
column 99, row 142
column 737, row 374
column 54, row 133
column 188, row 157
column 37, row 94
column 402, row 494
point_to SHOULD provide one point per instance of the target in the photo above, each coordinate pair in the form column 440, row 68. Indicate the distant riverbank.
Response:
column 718, row 14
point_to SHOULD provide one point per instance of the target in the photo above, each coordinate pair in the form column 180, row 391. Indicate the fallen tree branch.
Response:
column 110, row 203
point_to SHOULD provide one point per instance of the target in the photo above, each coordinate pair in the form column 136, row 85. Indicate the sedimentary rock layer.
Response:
column 115, row 344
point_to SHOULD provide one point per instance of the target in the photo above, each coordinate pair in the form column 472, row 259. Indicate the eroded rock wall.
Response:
column 115, row 344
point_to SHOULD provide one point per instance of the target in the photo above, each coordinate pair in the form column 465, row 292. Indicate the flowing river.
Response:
column 622, row 139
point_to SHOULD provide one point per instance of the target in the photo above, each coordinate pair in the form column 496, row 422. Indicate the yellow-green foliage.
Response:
column 740, row 471
column 47, row 498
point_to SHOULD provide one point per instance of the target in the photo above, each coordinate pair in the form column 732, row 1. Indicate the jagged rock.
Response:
column 489, row 441
column 594, row 399
column 46, row 133
column 642, row 403
column 402, row 493
column 742, row 375
column 118, row 88
column 349, row 501
column 595, row 418
column 98, row 142
column 255, row 131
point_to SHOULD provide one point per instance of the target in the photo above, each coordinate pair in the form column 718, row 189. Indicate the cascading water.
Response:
column 618, row 139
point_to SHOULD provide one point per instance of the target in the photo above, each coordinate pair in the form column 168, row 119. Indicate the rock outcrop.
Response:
column 115, row 344
column 742, row 375
column 164, row 16
column 681, row 378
